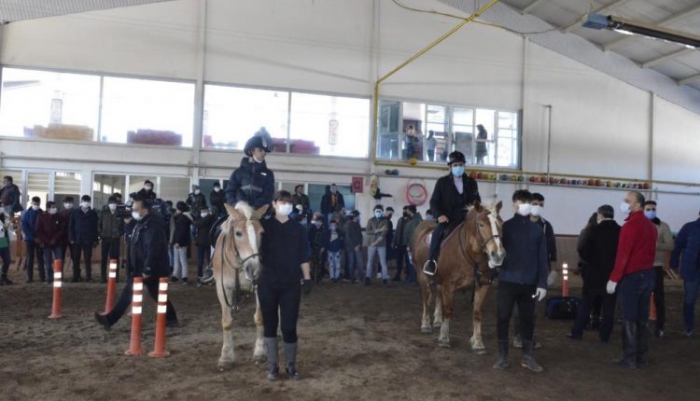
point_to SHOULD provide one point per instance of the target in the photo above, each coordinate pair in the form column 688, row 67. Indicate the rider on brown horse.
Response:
column 452, row 195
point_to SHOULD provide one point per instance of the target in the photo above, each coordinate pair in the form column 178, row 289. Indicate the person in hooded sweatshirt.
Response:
column 180, row 241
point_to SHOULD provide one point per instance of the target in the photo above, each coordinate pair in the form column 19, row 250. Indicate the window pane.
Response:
column 437, row 114
column 147, row 112
column 507, row 153
column 233, row 115
column 66, row 184
column 329, row 125
column 388, row 142
column 52, row 105
column 486, row 118
column 104, row 186
column 38, row 185
column 174, row 189
column 412, row 129
column 462, row 116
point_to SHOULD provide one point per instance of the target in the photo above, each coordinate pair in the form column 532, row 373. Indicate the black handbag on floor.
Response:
column 562, row 308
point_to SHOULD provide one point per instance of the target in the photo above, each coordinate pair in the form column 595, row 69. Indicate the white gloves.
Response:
column 300, row 208
column 540, row 294
column 611, row 287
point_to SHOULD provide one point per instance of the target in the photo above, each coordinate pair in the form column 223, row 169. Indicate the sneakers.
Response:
column 5, row 281
column 292, row 372
column 174, row 279
column 518, row 343
column 430, row 268
column 689, row 333
column 200, row 282
column 184, row 281
column 660, row 334
column 273, row 372
column 368, row 281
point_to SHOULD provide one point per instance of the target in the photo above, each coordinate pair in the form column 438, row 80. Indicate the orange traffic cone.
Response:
column 57, row 282
column 111, row 285
column 565, row 280
column 652, row 308
column 159, row 348
column 136, row 309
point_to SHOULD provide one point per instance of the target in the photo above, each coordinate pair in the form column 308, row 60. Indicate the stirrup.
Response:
column 208, row 275
column 425, row 268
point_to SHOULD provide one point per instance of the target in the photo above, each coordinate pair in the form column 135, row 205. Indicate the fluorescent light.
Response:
column 622, row 31
column 629, row 27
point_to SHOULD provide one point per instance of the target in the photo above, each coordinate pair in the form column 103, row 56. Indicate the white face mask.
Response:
column 217, row 189
column 284, row 209
column 536, row 210
column 148, row 187
column 112, row 206
column 35, row 207
column 257, row 160
column 196, row 192
column 204, row 214
column 53, row 210
column 85, row 205
column 625, row 208
column 379, row 214
column 68, row 205
column 136, row 216
column 524, row 209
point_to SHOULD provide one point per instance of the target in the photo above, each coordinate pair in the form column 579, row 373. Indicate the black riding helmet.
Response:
column 456, row 157
column 261, row 140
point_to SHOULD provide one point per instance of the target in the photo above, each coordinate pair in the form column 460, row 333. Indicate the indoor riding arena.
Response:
column 349, row 200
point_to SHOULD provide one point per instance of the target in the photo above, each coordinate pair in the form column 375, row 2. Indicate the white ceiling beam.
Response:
column 688, row 80
column 602, row 10
column 666, row 21
column 532, row 6
column 662, row 59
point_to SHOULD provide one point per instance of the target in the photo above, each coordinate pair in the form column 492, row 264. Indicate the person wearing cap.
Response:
column 452, row 195
column 111, row 229
column 252, row 182
column 634, row 271
column 377, row 229
column 599, row 250
column 196, row 200
column 147, row 191
column 217, row 198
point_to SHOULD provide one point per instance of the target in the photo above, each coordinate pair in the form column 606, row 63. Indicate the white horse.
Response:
column 236, row 264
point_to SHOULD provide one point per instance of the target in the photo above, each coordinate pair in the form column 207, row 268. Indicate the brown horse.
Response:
column 237, row 265
column 476, row 242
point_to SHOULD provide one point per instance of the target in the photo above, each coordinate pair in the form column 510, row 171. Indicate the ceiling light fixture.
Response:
column 629, row 27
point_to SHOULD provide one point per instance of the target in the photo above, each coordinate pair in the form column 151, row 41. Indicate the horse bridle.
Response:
column 481, row 237
column 235, row 306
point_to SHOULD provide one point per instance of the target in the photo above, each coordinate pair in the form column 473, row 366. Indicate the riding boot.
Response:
column 629, row 346
column 272, row 358
column 528, row 360
column 502, row 362
column 290, row 358
column 643, row 335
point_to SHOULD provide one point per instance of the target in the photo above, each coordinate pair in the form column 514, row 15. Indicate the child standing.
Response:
column 333, row 243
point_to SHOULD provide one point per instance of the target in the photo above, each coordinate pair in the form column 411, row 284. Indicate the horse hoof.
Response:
column 259, row 359
column 479, row 351
column 444, row 344
column 437, row 324
column 426, row 330
column 224, row 365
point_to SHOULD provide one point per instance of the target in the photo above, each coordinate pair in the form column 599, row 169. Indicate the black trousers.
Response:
column 435, row 240
column 607, row 311
column 110, row 250
column 510, row 294
column 203, row 258
column 64, row 254
column 400, row 259
column 86, row 251
column 34, row 250
column 151, row 284
column 284, row 300
column 660, row 298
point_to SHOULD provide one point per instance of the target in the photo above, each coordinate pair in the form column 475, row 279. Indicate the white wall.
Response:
column 600, row 125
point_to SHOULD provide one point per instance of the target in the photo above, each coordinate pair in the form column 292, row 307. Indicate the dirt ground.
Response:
column 356, row 343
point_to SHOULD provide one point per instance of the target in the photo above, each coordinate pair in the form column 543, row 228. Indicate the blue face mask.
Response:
column 378, row 215
column 334, row 227
column 457, row 171
column 651, row 214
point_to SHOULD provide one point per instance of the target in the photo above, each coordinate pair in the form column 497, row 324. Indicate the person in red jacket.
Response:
column 634, row 270
column 51, row 235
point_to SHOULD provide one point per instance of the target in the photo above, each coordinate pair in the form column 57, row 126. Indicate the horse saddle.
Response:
column 447, row 234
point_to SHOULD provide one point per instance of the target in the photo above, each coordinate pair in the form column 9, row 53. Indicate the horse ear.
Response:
column 232, row 211
column 499, row 206
column 258, row 214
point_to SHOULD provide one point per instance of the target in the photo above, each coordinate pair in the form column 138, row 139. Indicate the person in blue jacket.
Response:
column 29, row 219
column 686, row 256
column 333, row 242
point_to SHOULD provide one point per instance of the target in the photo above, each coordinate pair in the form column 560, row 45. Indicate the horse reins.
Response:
column 235, row 306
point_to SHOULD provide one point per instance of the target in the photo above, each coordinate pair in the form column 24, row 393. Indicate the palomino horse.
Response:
column 236, row 264
column 476, row 242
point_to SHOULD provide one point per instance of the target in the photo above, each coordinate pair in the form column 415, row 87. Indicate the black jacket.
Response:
column 526, row 253
column 196, row 202
column 146, row 194
column 253, row 183
column 149, row 248
column 448, row 202
column 599, row 250
column 82, row 228
column 326, row 203
column 217, row 199
column 182, row 235
column 203, row 225
column 549, row 238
